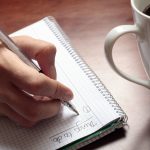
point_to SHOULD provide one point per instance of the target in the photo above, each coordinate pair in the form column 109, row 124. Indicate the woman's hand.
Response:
column 17, row 77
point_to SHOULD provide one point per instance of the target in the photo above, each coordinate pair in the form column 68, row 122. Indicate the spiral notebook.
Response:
column 99, row 115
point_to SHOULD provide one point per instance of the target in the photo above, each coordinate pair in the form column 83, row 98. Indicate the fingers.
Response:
column 42, row 51
column 39, row 84
column 24, row 109
column 6, row 111
column 28, row 79
column 18, row 105
column 27, row 107
column 31, row 109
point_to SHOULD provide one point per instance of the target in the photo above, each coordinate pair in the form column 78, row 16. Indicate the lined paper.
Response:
column 95, row 111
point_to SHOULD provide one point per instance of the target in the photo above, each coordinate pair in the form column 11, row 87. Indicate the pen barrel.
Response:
column 70, row 106
column 8, row 42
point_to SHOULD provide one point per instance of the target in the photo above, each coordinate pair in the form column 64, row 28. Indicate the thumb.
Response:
column 39, row 84
column 61, row 91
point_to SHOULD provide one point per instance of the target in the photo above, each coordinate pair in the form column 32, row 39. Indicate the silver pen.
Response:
column 9, row 43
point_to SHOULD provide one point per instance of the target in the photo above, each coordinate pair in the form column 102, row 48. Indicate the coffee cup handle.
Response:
column 110, row 40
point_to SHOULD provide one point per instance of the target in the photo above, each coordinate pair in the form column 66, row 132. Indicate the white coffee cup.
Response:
column 141, row 28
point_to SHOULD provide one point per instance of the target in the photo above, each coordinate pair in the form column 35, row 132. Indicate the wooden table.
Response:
column 87, row 22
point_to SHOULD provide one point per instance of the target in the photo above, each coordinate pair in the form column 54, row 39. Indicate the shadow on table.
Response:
column 112, row 137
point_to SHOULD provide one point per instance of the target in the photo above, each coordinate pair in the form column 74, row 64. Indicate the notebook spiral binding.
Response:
column 63, row 39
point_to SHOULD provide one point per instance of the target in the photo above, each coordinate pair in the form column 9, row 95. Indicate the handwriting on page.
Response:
column 75, row 130
column 86, row 121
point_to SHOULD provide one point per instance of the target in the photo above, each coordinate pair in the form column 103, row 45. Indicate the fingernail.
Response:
column 68, row 95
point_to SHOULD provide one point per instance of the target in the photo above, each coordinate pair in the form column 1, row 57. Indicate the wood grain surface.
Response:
column 87, row 22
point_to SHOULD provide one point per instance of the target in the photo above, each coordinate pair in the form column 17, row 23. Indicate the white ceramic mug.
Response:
column 141, row 28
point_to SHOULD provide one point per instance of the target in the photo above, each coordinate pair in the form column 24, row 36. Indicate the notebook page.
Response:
column 66, row 127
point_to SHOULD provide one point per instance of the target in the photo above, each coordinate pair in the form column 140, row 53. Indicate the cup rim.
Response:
column 138, row 11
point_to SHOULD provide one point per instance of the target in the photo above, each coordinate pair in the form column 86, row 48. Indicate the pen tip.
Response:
column 77, row 112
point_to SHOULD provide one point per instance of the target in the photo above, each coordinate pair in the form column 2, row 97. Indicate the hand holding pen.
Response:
column 17, row 76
